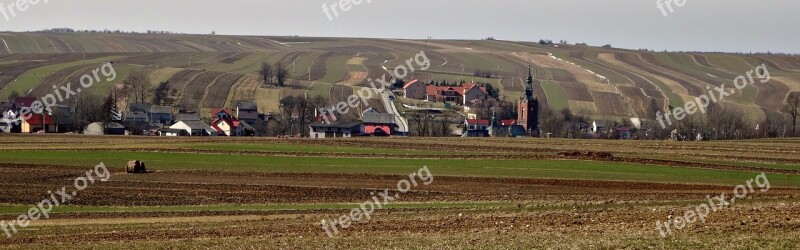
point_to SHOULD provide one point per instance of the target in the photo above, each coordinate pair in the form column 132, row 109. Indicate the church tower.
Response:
column 528, row 109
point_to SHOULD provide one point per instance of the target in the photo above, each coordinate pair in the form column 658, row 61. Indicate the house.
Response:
column 184, row 115
column 476, row 124
column 172, row 132
column 137, row 119
column 623, row 133
column 508, row 122
column 35, row 123
column 415, row 90
column 161, row 116
column 379, row 124
column 476, row 128
column 334, row 129
column 247, row 111
column 64, row 118
column 194, row 128
column 464, row 94
column 228, row 125
column 99, row 128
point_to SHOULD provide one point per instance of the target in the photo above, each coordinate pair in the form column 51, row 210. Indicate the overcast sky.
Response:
column 703, row 25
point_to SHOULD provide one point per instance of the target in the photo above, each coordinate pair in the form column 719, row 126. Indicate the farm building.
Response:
column 379, row 124
column 161, row 116
column 99, row 128
column 184, row 115
column 335, row 129
column 247, row 111
column 195, row 128
column 172, row 132
column 466, row 93
column 415, row 90
column 228, row 125
column 39, row 123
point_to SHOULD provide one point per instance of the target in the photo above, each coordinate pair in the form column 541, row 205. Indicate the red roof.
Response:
column 477, row 122
column 232, row 122
column 409, row 84
column 214, row 112
column 508, row 122
column 36, row 119
column 433, row 90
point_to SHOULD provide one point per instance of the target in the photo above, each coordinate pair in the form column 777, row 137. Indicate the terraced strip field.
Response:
column 621, row 83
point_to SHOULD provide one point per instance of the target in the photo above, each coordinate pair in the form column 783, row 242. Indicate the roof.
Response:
column 24, row 101
column 336, row 125
column 136, row 115
column 214, row 112
column 232, row 122
column 477, row 122
column 247, row 105
column 248, row 114
column 508, row 122
column 142, row 107
column 197, row 125
column 187, row 116
column 409, row 84
column 379, row 118
column 461, row 90
column 36, row 119
column 161, row 109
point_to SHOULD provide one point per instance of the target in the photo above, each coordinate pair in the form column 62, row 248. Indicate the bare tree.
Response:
column 267, row 74
column 281, row 74
column 792, row 108
column 137, row 85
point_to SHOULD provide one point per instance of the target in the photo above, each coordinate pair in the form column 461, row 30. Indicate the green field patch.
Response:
column 549, row 169
column 336, row 68
column 33, row 77
column 305, row 148
column 556, row 97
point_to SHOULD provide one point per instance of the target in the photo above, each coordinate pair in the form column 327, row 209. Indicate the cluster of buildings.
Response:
column 373, row 123
column 148, row 119
column 462, row 95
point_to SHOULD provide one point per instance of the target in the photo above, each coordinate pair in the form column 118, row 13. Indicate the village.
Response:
column 471, row 111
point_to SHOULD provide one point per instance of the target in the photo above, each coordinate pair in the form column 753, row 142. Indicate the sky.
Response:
column 695, row 25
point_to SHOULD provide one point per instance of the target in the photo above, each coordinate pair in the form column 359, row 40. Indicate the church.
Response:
column 528, row 109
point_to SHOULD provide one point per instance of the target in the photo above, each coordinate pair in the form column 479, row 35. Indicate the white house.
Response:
column 195, row 128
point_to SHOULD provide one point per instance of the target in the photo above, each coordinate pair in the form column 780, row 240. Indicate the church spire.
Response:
column 529, row 86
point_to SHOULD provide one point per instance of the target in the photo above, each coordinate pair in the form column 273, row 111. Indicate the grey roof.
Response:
column 336, row 124
column 198, row 125
column 115, row 125
column 379, row 118
column 247, row 105
column 137, row 115
column 248, row 114
column 161, row 109
column 187, row 116
column 143, row 107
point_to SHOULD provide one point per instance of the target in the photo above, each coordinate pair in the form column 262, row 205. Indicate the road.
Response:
column 401, row 122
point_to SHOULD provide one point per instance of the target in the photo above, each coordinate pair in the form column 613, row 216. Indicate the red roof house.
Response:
column 32, row 123
column 463, row 94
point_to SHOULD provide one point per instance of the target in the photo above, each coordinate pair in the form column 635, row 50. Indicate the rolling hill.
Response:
column 214, row 71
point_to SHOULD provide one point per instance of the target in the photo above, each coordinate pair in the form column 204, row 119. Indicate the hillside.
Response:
column 213, row 71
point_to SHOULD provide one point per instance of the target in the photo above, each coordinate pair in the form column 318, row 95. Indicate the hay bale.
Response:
column 131, row 166
column 135, row 167
column 141, row 168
